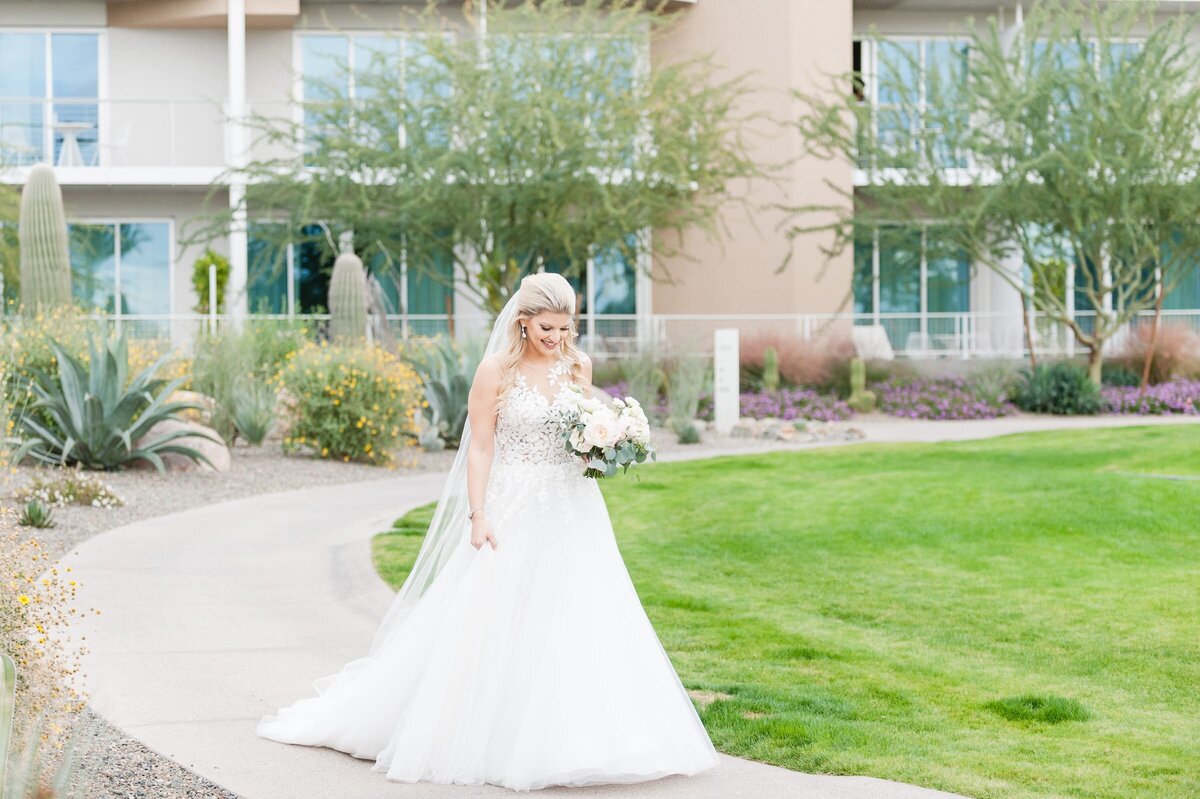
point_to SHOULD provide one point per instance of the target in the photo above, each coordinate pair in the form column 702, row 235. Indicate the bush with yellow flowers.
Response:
column 144, row 353
column 37, row 604
column 355, row 403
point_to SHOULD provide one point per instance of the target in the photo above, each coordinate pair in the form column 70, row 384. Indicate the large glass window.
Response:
column 347, row 66
column 130, row 260
column 864, row 275
column 922, row 280
column 916, row 91
column 49, row 98
column 429, row 279
column 900, row 270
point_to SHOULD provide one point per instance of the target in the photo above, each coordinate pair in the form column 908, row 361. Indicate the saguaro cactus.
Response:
column 770, row 369
column 861, row 400
column 348, row 299
column 42, row 232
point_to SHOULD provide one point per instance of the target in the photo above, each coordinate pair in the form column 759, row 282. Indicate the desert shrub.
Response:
column 942, row 398
column 1119, row 374
column 1176, row 354
column 238, row 369
column 686, row 384
column 1061, row 388
column 253, row 409
column 350, row 403
column 643, row 376
column 800, row 361
column 791, row 403
column 446, row 369
column 1175, row 396
column 37, row 603
column 94, row 415
column 143, row 353
column 606, row 372
column 59, row 488
column 25, row 348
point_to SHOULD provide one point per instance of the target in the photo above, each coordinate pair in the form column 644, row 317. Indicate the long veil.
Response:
column 450, row 525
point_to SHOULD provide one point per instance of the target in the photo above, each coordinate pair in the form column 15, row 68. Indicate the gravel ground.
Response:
column 255, row 470
column 120, row 767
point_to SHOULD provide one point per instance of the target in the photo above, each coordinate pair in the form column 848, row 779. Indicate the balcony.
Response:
column 114, row 142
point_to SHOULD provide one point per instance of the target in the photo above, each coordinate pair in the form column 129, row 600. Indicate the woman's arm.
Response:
column 481, row 410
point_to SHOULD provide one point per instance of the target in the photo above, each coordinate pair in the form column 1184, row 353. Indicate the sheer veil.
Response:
column 450, row 525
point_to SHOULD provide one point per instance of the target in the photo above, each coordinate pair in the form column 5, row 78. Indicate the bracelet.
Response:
column 473, row 511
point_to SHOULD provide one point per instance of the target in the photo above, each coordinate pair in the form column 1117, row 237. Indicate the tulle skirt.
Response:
column 528, row 666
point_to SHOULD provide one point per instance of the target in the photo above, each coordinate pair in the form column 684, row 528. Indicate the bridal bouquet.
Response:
column 607, row 437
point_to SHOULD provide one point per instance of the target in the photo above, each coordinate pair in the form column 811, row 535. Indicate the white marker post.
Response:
column 725, row 379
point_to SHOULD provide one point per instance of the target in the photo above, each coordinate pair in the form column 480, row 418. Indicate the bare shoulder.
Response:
column 488, row 372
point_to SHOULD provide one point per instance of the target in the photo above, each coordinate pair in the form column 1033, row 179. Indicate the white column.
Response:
column 236, row 300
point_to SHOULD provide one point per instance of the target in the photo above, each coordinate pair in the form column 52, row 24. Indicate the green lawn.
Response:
column 1011, row 618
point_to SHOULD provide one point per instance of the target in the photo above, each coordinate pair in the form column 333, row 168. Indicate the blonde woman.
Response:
column 517, row 652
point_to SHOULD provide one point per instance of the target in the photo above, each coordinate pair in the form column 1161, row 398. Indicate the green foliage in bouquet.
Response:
column 94, row 416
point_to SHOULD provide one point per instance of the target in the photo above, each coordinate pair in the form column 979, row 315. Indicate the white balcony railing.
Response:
column 112, row 133
column 918, row 336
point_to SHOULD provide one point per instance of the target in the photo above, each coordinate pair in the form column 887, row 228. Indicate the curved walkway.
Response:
column 212, row 617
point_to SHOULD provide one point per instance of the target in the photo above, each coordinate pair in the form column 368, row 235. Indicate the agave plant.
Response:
column 93, row 416
column 36, row 515
column 254, row 409
column 446, row 373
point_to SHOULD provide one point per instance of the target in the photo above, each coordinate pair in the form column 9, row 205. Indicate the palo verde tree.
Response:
column 519, row 141
column 1059, row 153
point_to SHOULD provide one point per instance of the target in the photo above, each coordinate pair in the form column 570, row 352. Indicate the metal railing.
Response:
column 133, row 132
column 918, row 336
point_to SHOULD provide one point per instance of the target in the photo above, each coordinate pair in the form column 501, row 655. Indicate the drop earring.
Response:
column 523, row 332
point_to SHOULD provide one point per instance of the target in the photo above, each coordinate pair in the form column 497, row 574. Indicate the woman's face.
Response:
column 547, row 330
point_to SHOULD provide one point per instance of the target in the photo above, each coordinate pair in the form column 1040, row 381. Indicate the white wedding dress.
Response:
column 527, row 666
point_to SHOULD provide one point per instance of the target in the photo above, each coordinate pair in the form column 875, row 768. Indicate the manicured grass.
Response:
column 1010, row 618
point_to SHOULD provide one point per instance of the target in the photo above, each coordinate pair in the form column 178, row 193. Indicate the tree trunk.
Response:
column 1153, row 343
column 1096, row 361
column 1028, row 332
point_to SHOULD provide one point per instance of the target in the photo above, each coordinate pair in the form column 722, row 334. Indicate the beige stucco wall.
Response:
column 43, row 13
column 786, row 44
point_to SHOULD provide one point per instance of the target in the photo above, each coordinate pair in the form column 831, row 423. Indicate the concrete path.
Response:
column 214, row 616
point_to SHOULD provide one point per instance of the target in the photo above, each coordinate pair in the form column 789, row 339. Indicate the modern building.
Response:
column 131, row 101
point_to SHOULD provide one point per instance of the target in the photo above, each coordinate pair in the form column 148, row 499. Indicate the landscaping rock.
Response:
column 217, row 453
column 203, row 415
column 744, row 428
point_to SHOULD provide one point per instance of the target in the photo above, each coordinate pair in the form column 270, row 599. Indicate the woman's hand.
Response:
column 481, row 531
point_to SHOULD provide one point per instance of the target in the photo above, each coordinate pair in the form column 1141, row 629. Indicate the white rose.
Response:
column 590, row 405
column 602, row 430
column 577, row 439
column 633, row 403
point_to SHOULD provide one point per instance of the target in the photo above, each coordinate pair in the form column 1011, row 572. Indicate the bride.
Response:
column 517, row 652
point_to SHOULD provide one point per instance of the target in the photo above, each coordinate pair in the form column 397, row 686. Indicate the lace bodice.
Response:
column 528, row 423
column 531, row 469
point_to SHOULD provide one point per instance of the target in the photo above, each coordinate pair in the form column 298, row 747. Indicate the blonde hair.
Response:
column 544, row 291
